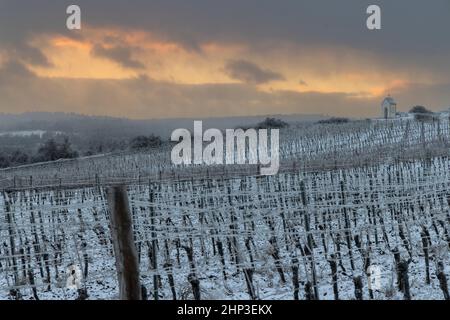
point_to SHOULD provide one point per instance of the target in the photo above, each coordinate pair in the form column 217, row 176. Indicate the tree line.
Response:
column 55, row 149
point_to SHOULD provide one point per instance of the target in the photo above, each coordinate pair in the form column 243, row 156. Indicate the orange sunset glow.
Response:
column 183, row 68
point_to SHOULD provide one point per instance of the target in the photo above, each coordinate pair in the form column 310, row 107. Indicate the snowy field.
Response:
column 375, row 231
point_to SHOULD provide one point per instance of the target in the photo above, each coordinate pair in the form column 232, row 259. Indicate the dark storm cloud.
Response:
column 118, row 54
column 414, row 34
column 413, row 25
column 303, row 83
column 13, row 70
column 28, row 54
column 249, row 72
column 415, row 29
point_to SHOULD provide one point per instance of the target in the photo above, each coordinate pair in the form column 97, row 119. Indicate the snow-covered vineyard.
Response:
column 306, row 147
column 374, row 231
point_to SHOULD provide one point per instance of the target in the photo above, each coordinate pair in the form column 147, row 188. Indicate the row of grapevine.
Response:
column 372, row 232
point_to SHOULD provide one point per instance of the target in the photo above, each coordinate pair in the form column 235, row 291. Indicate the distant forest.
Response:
column 17, row 150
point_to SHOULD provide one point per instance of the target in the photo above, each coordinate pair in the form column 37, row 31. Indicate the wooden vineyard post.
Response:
column 12, row 247
column 124, row 249
column 442, row 280
column 310, row 242
column 154, row 244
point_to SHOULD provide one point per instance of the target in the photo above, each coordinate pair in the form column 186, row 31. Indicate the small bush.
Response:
column 272, row 123
column 334, row 120
column 424, row 117
column 420, row 110
column 4, row 162
column 52, row 150
column 144, row 142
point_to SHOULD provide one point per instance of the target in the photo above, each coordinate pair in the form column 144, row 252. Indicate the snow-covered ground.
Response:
column 24, row 133
column 268, row 227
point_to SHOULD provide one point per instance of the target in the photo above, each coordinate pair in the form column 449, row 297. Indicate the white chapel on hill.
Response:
column 388, row 108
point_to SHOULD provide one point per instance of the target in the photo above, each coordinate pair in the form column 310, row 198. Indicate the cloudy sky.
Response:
column 180, row 58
